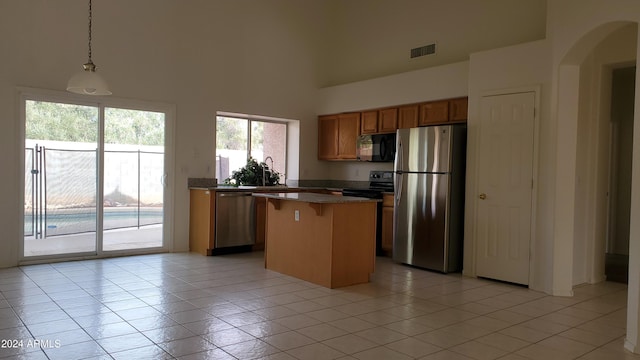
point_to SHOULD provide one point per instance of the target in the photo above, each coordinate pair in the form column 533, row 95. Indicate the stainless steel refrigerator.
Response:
column 429, row 197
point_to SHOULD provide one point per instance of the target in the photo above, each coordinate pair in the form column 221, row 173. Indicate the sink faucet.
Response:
column 263, row 171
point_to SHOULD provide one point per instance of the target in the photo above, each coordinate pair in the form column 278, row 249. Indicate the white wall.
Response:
column 373, row 38
column 575, row 27
column 525, row 66
column 587, row 147
column 593, row 152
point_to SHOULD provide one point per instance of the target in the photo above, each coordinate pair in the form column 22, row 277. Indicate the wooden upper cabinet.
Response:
column 348, row 131
column 369, row 122
column 379, row 121
column 387, row 120
column 408, row 116
column 434, row 112
column 327, row 137
column 338, row 133
column 458, row 109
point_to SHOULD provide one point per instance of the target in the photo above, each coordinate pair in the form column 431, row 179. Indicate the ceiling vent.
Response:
column 423, row 50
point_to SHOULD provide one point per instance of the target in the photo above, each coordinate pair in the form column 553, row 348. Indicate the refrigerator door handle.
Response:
column 398, row 161
column 398, row 187
column 398, row 170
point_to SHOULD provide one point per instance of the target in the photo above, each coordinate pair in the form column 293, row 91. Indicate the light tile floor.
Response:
column 189, row 306
column 149, row 236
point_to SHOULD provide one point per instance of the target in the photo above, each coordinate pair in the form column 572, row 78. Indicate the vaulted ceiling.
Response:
column 372, row 38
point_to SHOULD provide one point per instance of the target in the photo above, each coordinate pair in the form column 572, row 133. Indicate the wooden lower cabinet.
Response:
column 331, row 244
column 202, row 222
column 387, row 224
column 261, row 217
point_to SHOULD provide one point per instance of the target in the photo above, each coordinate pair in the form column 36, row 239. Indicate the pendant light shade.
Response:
column 88, row 82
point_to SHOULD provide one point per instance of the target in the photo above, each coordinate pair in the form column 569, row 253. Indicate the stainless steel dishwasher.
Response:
column 235, row 219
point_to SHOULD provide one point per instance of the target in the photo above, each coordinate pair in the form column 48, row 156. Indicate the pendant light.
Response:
column 88, row 82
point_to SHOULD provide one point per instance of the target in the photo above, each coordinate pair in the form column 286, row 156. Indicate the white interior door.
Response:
column 505, row 187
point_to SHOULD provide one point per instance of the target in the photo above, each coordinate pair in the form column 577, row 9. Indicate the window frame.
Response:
column 250, row 119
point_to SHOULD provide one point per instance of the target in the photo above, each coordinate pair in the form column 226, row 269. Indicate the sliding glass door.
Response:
column 133, row 179
column 60, row 178
column 95, row 179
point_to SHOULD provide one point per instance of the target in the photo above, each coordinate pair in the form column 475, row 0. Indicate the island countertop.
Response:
column 241, row 188
column 315, row 198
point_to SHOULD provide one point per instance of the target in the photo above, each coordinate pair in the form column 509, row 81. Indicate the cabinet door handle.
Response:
column 482, row 196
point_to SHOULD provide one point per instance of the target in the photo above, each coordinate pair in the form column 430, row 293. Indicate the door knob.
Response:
column 482, row 196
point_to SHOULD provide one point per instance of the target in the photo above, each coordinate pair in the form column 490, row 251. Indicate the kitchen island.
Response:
column 328, row 240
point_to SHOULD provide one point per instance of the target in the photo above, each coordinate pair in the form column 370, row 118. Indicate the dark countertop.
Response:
column 241, row 188
column 316, row 198
column 331, row 185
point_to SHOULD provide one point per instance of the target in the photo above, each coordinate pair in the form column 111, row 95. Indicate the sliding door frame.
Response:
column 24, row 94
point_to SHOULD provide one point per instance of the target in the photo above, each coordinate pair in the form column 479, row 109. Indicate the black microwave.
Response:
column 376, row 147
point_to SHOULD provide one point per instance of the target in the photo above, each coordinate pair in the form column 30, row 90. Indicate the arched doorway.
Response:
column 584, row 164
column 600, row 156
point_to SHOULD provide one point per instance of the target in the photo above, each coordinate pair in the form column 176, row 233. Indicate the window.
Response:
column 240, row 137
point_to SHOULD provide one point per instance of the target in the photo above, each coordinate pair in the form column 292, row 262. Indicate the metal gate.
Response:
column 60, row 191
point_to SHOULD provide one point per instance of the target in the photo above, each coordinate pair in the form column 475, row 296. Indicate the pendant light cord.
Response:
column 88, row 82
column 90, row 20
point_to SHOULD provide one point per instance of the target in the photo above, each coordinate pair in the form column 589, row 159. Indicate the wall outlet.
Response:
column 296, row 215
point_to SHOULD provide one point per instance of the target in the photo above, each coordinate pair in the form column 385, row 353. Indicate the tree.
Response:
column 124, row 126
column 79, row 123
column 231, row 133
column 61, row 122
